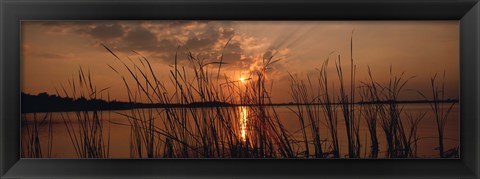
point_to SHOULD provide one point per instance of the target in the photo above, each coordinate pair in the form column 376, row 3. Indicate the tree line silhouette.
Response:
column 43, row 102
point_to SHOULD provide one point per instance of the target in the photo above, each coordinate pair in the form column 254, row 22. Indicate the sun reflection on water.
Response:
column 243, row 122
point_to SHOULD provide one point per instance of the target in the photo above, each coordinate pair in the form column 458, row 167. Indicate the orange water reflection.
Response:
column 243, row 122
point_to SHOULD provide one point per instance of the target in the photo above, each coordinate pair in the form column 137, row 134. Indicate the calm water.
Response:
column 117, row 127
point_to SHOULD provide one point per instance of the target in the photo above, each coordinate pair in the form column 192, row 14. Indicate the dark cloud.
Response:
column 200, row 44
column 228, row 33
column 66, row 26
column 107, row 31
column 235, row 57
column 140, row 38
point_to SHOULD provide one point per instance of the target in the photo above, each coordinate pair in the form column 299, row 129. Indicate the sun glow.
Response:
column 242, row 79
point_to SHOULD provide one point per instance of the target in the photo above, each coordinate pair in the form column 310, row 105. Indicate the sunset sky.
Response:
column 52, row 51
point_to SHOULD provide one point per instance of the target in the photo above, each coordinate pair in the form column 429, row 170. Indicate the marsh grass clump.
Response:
column 270, row 136
column 308, row 115
column 369, row 113
column 352, row 123
column 32, row 143
column 398, row 137
column 441, row 112
column 329, row 107
column 86, row 129
column 306, row 93
column 212, row 132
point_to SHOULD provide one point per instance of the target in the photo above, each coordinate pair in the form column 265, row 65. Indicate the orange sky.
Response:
column 52, row 51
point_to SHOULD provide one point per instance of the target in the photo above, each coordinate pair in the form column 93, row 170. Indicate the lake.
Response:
column 221, row 132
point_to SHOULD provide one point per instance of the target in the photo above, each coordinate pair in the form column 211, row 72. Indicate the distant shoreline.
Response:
column 52, row 103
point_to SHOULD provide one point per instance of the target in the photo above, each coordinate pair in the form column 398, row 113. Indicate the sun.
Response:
column 242, row 79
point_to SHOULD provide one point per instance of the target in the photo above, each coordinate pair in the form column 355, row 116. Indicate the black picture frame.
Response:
column 13, row 11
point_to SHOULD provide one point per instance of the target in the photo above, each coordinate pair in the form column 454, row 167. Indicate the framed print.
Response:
column 236, row 92
column 239, row 89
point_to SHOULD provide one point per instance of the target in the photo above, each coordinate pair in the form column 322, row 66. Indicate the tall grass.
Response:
column 213, row 132
column 308, row 115
column 85, row 128
column 329, row 107
column 31, row 143
column 370, row 114
column 268, row 128
column 347, row 107
column 390, row 114
column 440, row 110
column 347, row 101
column 305, row 93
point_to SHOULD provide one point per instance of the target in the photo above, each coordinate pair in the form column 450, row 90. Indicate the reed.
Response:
column 370, row 116
column 412, row 131
column 347, row 101
column 329, row 107
column 390, row 112
column 440, row 110
column 32, row 144
column 309, row 115
column 85, row 128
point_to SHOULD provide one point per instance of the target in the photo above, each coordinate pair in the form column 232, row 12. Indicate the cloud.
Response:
column 161, row 40
column 140, row 38
column 107, row 31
